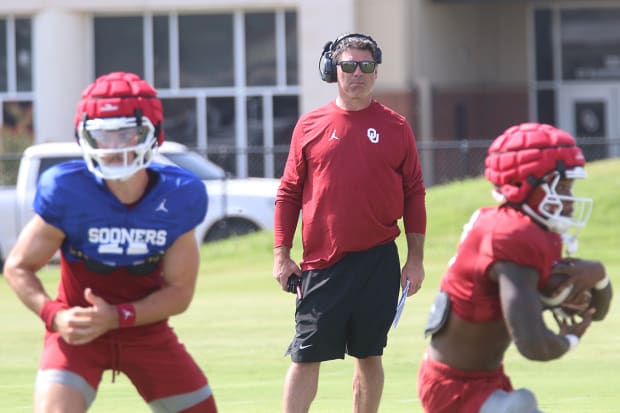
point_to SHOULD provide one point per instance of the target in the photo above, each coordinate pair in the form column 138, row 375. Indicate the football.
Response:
column 575, row 306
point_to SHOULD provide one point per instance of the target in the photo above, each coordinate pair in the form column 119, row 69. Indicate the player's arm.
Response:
column 36, row 245
column 523, row 314
column 180, row 271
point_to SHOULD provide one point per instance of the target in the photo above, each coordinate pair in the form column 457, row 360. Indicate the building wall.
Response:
column 425, row 45
column 389, row 23
column 63, row 55
column 442, row 60
column 472, row 43
column 320, row 21
column 475, row 59
column 61, row 68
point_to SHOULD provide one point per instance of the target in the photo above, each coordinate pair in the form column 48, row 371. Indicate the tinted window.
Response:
column 3, row 57
column 590, row 44
column 119, row 45
column 291, row 49
column 260, row 50
column 180, row 120
column 206, row 50
column 23, row 51
column 161, row 52
column 48, row 162
column 197, row 164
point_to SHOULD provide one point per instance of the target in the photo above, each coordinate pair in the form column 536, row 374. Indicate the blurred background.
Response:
column 234, row 75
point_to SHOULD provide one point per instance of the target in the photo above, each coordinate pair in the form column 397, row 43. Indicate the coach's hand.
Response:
column 284, row 266
column 413, row 270
column 81, row 325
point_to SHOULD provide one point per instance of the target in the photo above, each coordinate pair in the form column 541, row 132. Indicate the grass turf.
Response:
column 240, row 323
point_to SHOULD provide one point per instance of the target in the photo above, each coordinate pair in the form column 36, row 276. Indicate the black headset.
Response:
column 327, row 66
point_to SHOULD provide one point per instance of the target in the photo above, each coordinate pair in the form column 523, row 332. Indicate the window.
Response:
column 544, row 45
column 590, row 44
column 15, row 54
column 260, row 48
column 4, row 81
column 16, row 128
column 206, row 50
column 221, row 131
column 180, row 120
column 291, row 48
column 161, row 52
column 119, row 45
column 23, row 54
column 228, row 81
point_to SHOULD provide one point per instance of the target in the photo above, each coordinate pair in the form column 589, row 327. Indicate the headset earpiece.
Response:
column 378, row 55
column 327, row 66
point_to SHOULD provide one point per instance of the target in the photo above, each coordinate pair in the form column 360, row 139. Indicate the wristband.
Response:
column 126, row 315
column 573, row 340
column 48, row 313
column 602, row 284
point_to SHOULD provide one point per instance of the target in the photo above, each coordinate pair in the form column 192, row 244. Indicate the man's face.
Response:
column 356, row 84
column 116, row 139
column 558, row 186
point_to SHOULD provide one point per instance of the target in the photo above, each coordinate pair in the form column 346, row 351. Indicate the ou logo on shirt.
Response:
column 372, row 134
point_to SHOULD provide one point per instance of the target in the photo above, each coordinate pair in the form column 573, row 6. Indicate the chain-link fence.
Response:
column 445, row 161
column 442, row 161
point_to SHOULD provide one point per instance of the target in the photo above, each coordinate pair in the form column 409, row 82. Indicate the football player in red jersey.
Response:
column 127, row 263
column 489, row 295
column 353, row 171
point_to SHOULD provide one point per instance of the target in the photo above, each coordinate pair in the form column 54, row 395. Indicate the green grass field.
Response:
column 240, row 323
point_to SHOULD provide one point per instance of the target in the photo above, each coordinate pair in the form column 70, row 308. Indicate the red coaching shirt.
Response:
column 353, row 175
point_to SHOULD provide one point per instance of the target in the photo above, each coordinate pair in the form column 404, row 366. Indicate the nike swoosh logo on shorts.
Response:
column 301, row 346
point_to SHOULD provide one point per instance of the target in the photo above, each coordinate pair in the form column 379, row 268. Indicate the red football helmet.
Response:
column 118, row 124
column 531, row 156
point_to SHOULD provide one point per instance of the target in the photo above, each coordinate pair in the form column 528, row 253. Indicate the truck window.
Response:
column 48, row 162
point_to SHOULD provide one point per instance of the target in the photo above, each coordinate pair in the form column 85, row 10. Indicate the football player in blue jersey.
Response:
column 128, row 258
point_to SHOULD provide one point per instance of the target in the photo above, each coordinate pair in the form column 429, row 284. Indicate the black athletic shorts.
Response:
column 348, row 307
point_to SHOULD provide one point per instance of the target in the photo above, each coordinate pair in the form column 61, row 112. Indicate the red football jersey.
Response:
column 495, row 234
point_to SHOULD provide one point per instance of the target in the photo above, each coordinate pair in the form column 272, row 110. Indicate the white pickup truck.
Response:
column 236, row 206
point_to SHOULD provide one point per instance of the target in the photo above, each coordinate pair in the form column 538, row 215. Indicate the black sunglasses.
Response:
column 349, row 66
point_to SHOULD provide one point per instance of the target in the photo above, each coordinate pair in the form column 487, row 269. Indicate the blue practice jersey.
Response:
column 99, row 227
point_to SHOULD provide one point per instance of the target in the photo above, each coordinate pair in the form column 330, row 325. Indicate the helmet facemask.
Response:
column 116, row 148
column 561, row 211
